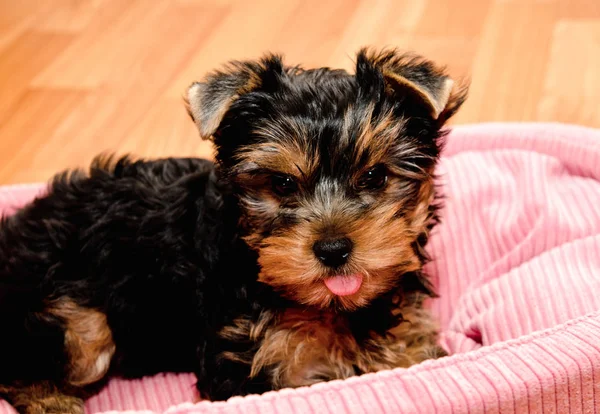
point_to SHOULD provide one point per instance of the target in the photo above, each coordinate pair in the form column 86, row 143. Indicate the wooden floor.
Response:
column 78, row 77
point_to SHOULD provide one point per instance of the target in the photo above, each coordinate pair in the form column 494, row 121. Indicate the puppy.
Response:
column 296, row 258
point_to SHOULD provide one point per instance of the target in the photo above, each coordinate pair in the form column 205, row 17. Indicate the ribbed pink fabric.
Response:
column 517, row 264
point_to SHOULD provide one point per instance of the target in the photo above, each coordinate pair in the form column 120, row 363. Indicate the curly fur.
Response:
column 141, row 266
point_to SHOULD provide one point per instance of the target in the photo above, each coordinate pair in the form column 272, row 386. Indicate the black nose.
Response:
column 333, row 252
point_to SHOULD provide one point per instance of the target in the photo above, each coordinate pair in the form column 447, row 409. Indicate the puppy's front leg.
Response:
column 226, row 360
column 43, row 397
column 225, row 371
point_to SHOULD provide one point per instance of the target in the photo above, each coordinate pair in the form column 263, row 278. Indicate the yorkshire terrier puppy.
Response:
column 296, row 258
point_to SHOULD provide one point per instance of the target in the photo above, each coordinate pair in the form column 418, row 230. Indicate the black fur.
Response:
column 125, row 240
column 157, row 247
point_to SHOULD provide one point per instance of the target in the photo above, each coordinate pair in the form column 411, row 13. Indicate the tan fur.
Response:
column 377, row 136
column 303, row 346
column 207, row 110
column 194, row 104
column 88, row 341
column 306, row 345
column 285, row 158
column 42, row 398
column 436, row 104
column 420, row 216
column 442, row 101
column 300, row 275
column 314, row 341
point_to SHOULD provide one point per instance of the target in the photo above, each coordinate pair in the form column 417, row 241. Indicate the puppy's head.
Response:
column 334, row 171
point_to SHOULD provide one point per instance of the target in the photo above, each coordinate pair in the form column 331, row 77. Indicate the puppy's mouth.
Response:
column 344, row 285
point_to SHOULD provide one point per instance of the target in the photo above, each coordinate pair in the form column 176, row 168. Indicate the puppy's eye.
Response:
column 283, row 185
column 373, row 179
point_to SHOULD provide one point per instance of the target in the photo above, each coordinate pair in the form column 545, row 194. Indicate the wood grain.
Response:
column 80, row 77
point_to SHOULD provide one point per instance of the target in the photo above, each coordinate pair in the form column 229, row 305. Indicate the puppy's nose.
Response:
column 333, row 252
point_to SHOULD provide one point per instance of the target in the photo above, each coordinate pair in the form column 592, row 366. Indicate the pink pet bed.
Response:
column 517, row 264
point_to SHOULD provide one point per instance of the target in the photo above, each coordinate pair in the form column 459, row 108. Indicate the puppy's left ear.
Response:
column 209, row 101
column 410, row 76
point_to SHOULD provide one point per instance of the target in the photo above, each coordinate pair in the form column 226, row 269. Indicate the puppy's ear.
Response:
column 208, row 101
column 411, row 76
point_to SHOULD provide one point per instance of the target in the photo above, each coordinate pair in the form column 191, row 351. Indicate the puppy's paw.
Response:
column 58, row 404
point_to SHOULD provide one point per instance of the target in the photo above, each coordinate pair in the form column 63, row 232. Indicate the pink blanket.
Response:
column 517, row 264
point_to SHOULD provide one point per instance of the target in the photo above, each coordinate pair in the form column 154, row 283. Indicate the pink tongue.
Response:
column 344, row 285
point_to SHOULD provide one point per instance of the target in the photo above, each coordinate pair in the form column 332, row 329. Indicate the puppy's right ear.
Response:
column 411, row 78
column 208, row 101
